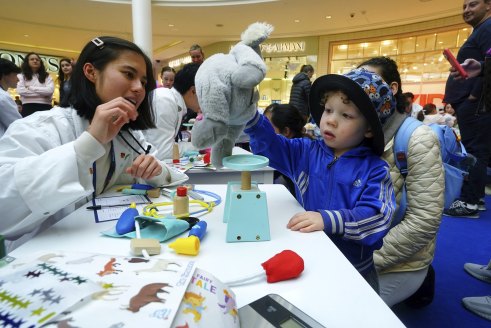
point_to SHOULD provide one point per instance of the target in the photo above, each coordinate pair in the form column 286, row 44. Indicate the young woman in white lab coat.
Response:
column 53, row 161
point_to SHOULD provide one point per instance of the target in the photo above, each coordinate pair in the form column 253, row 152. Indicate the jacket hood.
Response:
column 299, row 77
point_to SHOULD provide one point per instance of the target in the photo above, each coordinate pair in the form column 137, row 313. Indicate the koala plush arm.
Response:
column 223, row 148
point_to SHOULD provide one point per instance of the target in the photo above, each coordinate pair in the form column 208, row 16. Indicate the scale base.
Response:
column 246, row 214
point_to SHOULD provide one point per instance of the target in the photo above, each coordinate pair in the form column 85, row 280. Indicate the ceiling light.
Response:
column 297, row 20
column 328, row 17
column 171, row 25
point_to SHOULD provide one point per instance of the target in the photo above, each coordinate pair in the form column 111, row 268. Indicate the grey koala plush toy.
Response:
column 226, row 90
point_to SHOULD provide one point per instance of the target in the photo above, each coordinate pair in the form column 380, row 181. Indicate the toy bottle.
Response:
column 181, row 201
column 175, row 154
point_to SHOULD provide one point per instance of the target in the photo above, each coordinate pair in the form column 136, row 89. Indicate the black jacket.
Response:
column 299, row 94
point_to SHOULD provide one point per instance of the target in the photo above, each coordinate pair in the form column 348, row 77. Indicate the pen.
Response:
column 100, row 207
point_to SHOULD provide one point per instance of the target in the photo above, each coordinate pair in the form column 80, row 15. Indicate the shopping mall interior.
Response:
column 330, row 35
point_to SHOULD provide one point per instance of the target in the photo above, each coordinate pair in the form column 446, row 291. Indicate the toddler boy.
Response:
column 340, row 180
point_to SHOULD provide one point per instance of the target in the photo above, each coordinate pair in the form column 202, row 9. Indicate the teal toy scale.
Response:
column 246, row 208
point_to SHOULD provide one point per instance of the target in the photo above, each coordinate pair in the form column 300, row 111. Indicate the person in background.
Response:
column 415, row 108
column 287, row 121
column 404, row 261
column 480, row 305
column 64, row 75
column 8, row 108
column 52, row 161
column 466, row 97
column 341, row 181
column 167, row 75
column 300, row 91
column 196, row 53
column 431, row 115
column 170, row 106
column 35, row 86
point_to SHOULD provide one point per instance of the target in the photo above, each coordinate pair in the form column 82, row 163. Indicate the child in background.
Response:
column 341, row 181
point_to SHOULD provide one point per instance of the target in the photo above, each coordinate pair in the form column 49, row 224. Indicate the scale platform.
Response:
column 246, row 207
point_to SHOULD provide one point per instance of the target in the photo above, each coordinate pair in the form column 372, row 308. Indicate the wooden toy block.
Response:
column 152, row 246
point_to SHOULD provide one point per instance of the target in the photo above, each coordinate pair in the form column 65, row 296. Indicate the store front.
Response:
column 423, row 68
column 284, row 58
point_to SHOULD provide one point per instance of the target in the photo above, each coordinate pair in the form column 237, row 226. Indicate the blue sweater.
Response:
column 353, row 193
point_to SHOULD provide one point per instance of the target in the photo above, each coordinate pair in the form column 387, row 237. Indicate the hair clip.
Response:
column 98, row 43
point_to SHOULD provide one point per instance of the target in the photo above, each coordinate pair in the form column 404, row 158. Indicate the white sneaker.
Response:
column 478, row 305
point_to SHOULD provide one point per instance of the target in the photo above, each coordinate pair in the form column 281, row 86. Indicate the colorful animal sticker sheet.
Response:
column 207, row 303
column 38, row 292
column 118, row 292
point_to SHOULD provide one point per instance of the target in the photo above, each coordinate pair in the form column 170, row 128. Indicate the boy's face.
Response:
column 342, row 125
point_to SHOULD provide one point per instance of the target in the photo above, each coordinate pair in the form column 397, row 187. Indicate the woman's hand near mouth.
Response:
column 110, row 117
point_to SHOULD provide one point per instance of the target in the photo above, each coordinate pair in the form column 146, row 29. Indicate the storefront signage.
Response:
column 50, row 62
column 180, row 61
column 289, row 47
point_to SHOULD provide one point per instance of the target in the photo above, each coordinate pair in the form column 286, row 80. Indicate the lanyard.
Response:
column 110, row 173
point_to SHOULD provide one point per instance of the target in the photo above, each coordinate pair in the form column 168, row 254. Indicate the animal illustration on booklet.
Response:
column 225, row 87
column 159, row 266
column 109, row 268
column 230, row 306
column 146, row 295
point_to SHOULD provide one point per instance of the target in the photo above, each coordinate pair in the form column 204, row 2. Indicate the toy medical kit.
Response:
column 126, row 222
column 246, row 208
column 191, row 244
column 138, row 246
column 283, row 266
column 175, row 153
column 181, row 202
column 134, row 192
column 135, row 186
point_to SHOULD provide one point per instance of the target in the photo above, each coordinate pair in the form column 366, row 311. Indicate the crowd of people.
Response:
column 114, row 126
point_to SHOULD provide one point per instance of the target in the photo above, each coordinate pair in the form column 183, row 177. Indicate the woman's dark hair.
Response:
column 27, row 70
column 390, row 73
column 61, row 81
column 100, row 52
column 7, row 67
column 61, row 75
column 287, row 116
column 307, row 68
column 429, row 108
column 167, row 69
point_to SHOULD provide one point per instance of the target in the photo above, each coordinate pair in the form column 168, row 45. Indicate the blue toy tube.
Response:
column 198, row 230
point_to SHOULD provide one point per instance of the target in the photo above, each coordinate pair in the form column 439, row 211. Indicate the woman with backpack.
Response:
column 403, row 262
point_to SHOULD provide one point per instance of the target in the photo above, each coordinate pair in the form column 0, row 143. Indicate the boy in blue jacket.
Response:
column 341, row 181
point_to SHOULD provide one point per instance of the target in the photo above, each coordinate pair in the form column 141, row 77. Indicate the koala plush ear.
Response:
column 255, row 34
column 251, row 68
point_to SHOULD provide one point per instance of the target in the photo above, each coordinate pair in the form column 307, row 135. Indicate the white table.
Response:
column 330, row 290
column 224, row 175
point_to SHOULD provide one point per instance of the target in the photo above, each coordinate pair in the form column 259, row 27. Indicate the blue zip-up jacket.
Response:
column 353, row 193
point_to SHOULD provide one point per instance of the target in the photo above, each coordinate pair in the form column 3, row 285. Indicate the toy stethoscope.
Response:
column 207, row 206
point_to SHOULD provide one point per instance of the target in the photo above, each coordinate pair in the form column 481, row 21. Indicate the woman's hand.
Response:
column 306, row 222
column 110, row 117
column 145, row 167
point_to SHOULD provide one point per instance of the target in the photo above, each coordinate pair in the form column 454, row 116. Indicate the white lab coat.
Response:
column 169, row 109
column 46, row 166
